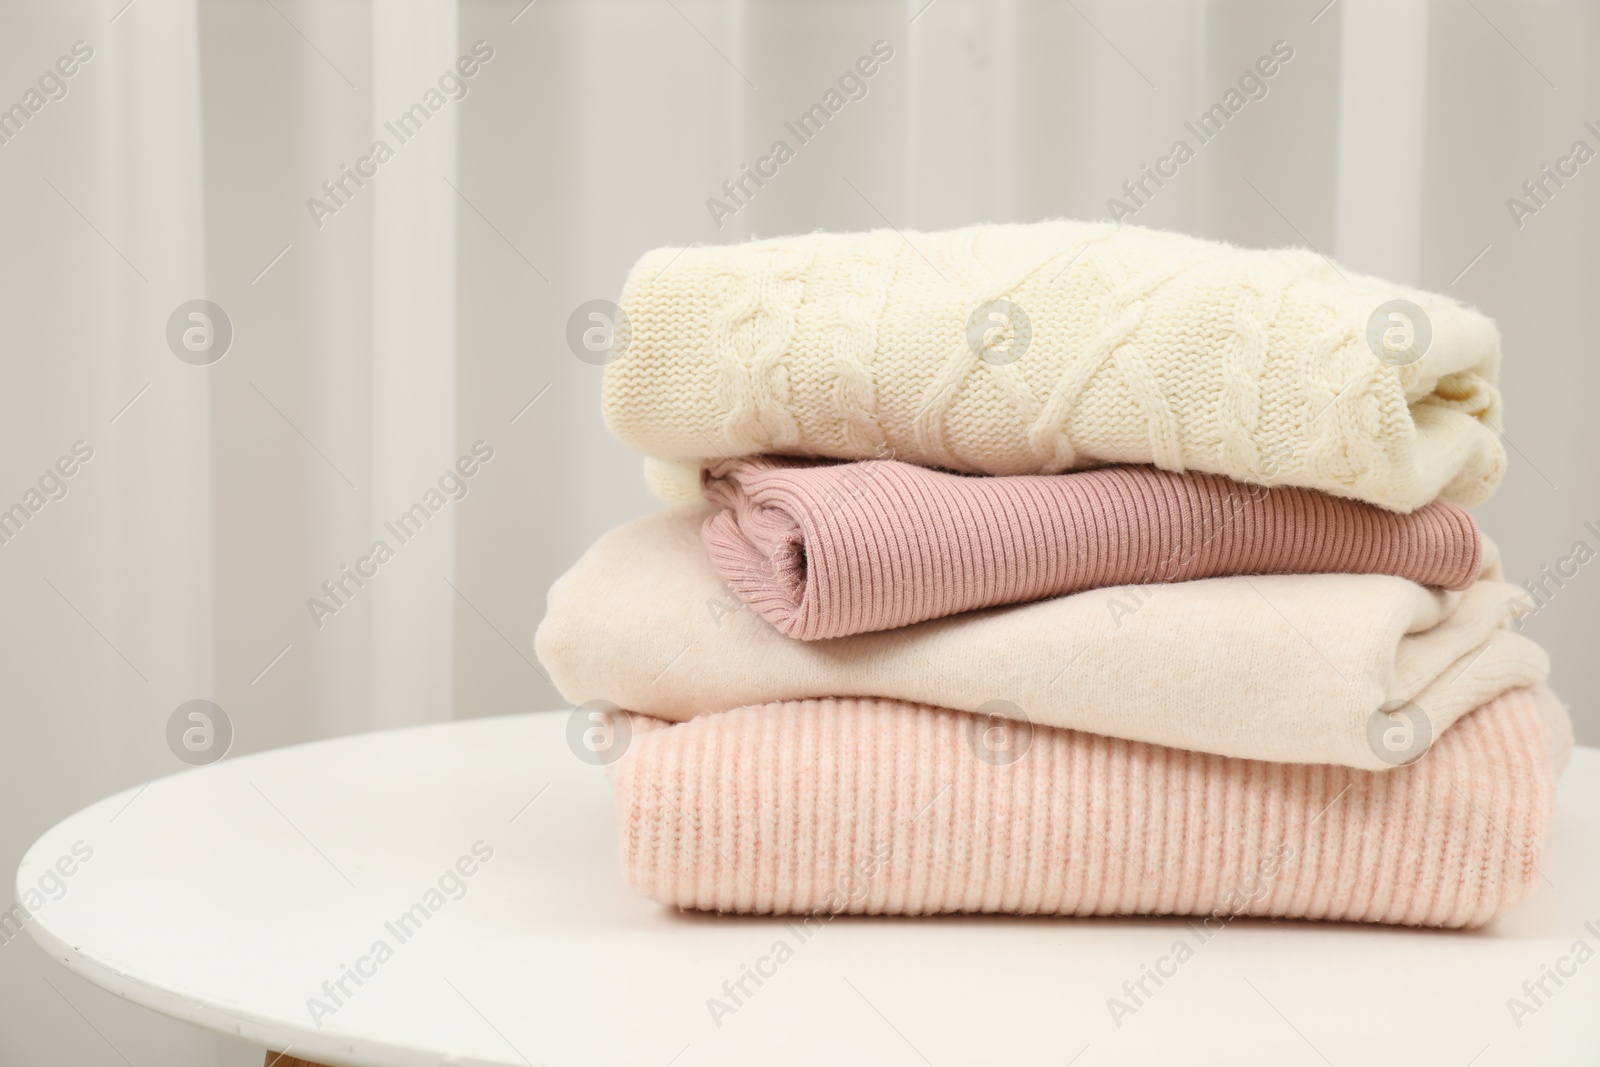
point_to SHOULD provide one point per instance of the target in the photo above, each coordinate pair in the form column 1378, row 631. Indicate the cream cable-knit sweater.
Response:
column 1289, row 668
column 1145, row 347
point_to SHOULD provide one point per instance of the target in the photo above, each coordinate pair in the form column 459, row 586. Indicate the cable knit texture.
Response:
column 1036, row 349
column 830, row 549
column 885, row 808
column 1281, row 667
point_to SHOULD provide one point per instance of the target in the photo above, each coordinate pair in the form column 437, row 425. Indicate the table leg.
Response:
column 280, row 1059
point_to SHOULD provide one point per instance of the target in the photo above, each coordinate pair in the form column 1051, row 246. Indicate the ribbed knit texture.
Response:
column 1138, row 347
column 1279, row 667
column 826, row 550
column 881, row 807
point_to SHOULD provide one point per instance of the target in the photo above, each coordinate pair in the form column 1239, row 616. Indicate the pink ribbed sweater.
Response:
column 883, row 807
column 825, row 550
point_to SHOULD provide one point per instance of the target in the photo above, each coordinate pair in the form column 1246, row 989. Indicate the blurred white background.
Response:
column 429, row 312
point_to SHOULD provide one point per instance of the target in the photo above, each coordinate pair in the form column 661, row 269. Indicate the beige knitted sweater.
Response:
column 1138, row 346
column 1284, row 668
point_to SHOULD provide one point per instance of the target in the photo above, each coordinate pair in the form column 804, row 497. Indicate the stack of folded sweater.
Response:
column 1058, row 569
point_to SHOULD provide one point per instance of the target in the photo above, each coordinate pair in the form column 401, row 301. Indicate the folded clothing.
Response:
column 881, row 807
column 1035, row 349
column 829, row 549
column 1291, row 668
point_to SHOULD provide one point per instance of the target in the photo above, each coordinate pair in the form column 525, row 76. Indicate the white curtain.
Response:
column 338, row 414
column 218, row 497
column 109, row 585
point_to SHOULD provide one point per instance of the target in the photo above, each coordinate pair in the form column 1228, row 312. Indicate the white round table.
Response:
column 252, row 897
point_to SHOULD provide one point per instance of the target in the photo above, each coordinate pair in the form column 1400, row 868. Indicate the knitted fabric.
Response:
column 880, row 807
column 1035, row 349
column 1288, row 668
column 827, row 550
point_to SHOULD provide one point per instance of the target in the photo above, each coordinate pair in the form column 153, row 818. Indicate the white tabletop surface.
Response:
column 228, row 895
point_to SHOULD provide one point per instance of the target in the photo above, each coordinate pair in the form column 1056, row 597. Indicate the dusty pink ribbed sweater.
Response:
column 883, row 807
column 825, row 550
